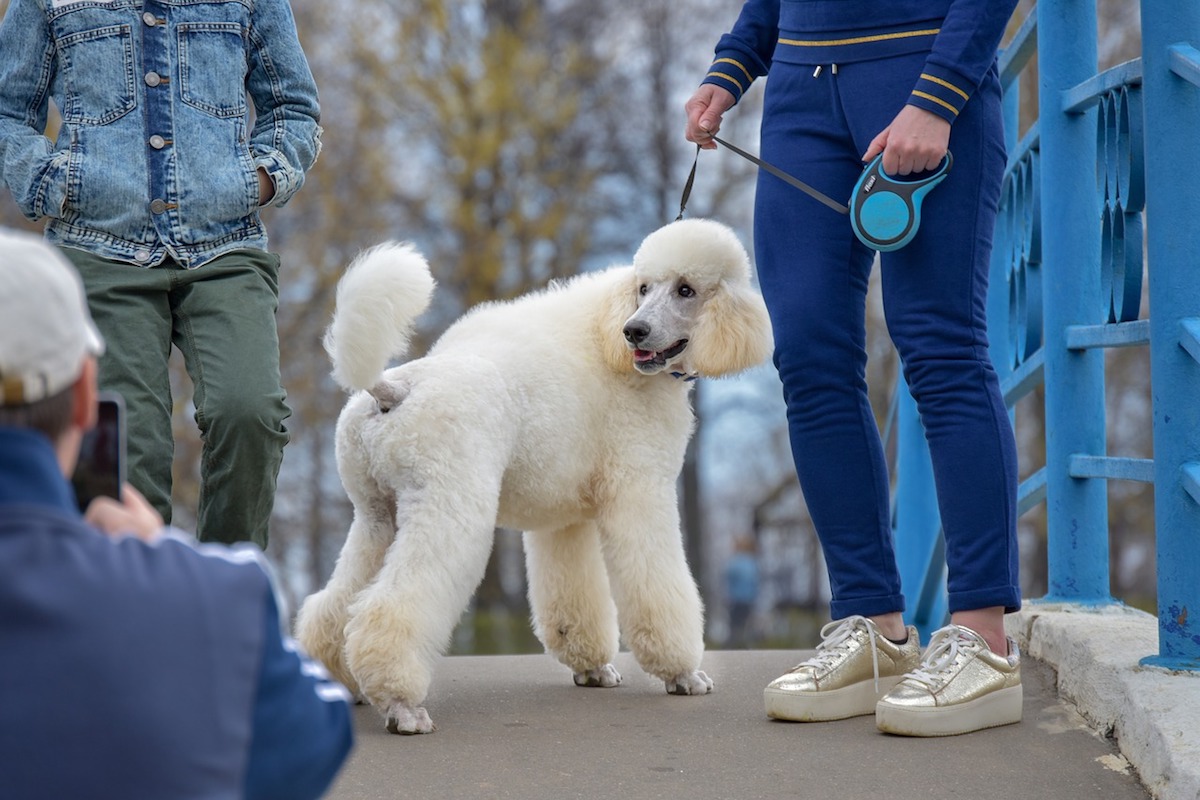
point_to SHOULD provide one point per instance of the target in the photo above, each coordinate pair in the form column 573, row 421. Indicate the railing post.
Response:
column 1171, row 94
column 918, row 524
column 1077, row 513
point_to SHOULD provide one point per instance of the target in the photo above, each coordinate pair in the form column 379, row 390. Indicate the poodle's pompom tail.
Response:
column 379, row 299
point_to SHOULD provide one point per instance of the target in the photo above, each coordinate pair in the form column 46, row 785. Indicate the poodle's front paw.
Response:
column 605, row 676
column 694, row 682
column 405, row 719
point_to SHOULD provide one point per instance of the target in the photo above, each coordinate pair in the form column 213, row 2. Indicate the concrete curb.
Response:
column 1154, row 714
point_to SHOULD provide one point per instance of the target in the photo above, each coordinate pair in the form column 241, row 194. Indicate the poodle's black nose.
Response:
column 636, row 332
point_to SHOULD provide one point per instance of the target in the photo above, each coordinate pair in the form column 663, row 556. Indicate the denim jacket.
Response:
column 158, row 150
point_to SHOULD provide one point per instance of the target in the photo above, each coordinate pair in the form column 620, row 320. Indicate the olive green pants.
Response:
column 221, row 316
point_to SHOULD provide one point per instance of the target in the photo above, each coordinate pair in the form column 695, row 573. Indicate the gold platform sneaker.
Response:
column 854, row 666
column 961, row 686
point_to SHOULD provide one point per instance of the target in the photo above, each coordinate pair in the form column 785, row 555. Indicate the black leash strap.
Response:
column 778, row 173
column 687, row 187
column 783, row 176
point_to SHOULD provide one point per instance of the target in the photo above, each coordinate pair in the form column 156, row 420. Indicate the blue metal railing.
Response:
column 1066, row 283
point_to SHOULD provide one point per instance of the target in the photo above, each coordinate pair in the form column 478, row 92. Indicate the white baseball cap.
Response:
column 45, row 328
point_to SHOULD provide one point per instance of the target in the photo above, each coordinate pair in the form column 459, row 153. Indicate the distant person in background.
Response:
column 133, row 665
column 908, row 81
column 153, row 189
column 741, row 591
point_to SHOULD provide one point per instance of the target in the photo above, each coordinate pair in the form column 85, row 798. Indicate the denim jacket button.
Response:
column 158, row 206
column 142, row 256
column 157, row 142
column 149, row 19
column 153, row 79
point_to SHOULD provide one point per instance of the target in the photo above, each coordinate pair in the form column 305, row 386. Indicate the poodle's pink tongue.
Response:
column 643, row 355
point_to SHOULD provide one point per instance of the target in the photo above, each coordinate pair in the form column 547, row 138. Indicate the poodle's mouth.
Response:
column 650, row 359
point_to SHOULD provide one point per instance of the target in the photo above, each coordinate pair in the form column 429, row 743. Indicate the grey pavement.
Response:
column 517, row 727
column 1152, row 714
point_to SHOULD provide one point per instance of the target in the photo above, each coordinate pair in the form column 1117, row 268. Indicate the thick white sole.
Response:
column 855, row 700
column 1002, row 707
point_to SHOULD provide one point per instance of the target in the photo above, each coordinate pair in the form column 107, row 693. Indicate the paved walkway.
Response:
column 1152, row 714
column 516, row 727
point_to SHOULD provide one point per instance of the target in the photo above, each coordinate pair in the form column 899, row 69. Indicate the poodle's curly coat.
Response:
column 564, row 414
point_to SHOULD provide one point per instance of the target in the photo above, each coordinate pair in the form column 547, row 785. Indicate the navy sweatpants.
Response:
column 814, row 273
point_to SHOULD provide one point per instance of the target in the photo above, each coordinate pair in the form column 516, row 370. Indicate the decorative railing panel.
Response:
column 1105, row 174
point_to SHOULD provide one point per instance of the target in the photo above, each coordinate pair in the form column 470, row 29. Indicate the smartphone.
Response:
column 100, row 471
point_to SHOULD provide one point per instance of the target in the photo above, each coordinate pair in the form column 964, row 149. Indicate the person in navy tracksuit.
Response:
column 850, row 79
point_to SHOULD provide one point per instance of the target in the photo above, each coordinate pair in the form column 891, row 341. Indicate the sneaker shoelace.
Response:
column 941, row 655
column 834, row 636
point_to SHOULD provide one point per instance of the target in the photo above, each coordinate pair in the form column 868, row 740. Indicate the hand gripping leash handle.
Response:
column 885, row 212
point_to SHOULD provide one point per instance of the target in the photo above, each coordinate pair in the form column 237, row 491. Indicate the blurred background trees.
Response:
column 519, row 141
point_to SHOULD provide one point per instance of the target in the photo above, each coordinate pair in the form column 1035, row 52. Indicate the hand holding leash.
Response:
column 885, row 212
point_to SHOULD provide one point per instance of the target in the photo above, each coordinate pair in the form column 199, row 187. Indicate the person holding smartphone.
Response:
column 149, row 665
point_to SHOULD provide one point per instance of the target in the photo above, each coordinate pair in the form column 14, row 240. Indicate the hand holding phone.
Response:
column 132, row 516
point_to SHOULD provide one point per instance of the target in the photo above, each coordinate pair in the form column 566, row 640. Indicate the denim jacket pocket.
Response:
column 207, row 83
column 99, row 70
column 219, row 190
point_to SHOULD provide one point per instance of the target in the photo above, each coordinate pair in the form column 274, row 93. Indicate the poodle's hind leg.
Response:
column 402, row 622
column 661, row 614
column 573, row 612
column 321, row 622
column 449, row 445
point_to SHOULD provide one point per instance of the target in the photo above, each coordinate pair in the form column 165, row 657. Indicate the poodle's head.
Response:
column 696, row 310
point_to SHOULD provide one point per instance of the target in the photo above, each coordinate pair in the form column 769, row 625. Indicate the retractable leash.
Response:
column 884, row 212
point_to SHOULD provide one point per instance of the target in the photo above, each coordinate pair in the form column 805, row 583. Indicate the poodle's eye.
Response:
column 686, row 291
column 642, row 289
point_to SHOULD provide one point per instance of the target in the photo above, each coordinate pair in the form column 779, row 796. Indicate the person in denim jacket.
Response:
column 153, row 188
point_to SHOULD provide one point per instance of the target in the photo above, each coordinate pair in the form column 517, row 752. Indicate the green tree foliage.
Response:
column 488, row 120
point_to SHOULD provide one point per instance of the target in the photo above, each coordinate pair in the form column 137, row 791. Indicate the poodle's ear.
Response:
column 618, row 304
column 733, row 332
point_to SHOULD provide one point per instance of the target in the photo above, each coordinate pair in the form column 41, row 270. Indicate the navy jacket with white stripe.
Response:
column 134, row 670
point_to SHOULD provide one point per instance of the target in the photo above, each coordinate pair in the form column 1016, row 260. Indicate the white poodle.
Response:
column 564, row 414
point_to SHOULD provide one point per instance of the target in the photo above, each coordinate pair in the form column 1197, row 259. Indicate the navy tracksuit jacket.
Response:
column 137, row 671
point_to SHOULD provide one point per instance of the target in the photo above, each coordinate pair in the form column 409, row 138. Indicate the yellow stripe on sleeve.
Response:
column 728, row 77
column 937, row 100
column 745, row 71
column 947, row 84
